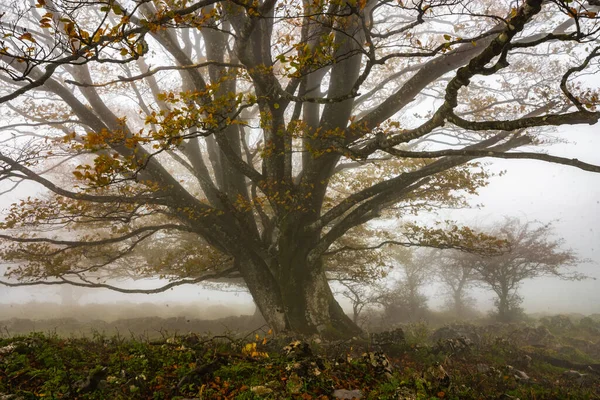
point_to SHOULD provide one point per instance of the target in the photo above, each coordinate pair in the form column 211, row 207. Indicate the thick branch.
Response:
column 217, row 275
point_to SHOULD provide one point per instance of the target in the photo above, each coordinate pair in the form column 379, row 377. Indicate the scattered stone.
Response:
column 379, row 362
column 261, row 390
column 297, row 349
column 456, row 345
column 468, row 333
column 347, row 394
column 307, row 367
column 7, row 349
column 445, row 333
column 518, row 374
column 521, row 376
column 388, row 338
column 575, row 375
column 438, row 374
column 539, row 337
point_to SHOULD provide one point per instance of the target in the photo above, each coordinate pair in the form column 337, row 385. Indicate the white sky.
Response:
column 546, row 192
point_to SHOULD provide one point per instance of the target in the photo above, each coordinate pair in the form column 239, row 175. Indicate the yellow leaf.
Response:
column 27, row 36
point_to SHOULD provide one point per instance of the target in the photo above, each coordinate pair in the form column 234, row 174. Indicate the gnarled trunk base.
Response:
column 299, row 302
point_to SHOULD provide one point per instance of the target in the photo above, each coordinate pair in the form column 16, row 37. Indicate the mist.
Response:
column 529, row 190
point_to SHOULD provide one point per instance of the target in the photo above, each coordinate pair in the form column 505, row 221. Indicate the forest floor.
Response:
column 555, row 360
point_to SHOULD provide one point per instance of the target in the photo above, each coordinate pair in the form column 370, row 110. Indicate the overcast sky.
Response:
column 547, row 192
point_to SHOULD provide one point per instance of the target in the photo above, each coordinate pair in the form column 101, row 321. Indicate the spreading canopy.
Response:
column 235, row 132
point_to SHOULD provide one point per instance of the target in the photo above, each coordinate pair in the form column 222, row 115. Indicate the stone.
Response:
column 297, row 349
column 388, row 338
column 575, row 375
column 379, row 362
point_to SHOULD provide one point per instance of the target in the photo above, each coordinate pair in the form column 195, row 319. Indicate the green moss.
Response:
column 56, row 368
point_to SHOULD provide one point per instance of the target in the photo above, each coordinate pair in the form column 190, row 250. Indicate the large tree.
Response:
column 236, row 128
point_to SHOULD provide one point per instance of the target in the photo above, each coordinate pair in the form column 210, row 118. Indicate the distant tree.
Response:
column 532, row 252
column 360, row 295
column 236, row 131
column 405, row 301
column 458, row 275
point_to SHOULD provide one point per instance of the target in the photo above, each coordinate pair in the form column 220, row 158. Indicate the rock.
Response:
column 575, row 375
column 436, row 373
column 445, row 333
column 456, row 345
column 518, row 374
column 379, row 362
column 307, row 367
column 7, row 349
column 388, row 338
column 521, row 376
column 469, row 333
column 347, row 394
column 297, row 349
column 261, row 390
column 539, row 336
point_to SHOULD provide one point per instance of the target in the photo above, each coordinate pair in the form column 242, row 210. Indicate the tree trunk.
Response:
column 310, row 305
column 265, row 292
column 355, row 313
column 458, row 303
column 298, row 300
column 503, row 307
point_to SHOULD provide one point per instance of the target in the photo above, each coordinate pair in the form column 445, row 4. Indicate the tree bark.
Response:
column 293, row 295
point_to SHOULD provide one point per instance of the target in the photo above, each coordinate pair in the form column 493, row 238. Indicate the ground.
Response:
column 554, row 358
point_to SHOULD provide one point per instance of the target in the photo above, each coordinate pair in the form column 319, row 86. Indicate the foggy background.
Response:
column 530, row 190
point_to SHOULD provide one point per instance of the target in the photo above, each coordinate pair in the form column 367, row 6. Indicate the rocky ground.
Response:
column 552, row 359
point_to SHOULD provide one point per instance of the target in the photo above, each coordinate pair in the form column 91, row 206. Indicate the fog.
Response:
column 530, row 190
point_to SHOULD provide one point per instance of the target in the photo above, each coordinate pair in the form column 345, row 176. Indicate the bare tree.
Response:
column 360, row 295
column 533, row 252
column 405, row 300
column 457, row 273
column 238, row 127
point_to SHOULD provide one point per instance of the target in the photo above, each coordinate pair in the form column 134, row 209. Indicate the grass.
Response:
column 50, row 366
